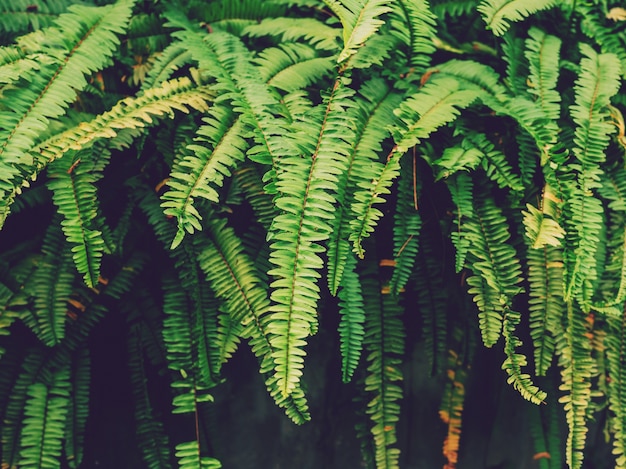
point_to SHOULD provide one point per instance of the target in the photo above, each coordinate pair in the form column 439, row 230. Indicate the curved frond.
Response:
column 498, row 13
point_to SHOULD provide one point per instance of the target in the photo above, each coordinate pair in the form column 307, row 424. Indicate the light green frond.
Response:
column 167, row 62
column 497, row 272
column 545, row 280
column 436, row 104
column 189, row 457
column 360, row 20
column 313, row 32
column 414, row 23
column 201, row 169
column 72, row 181
column 293, row 67
column 498, row 13
column 384, row 345
column 374, row 107
column 305, row 221
column 43, row 431
column 542, row 53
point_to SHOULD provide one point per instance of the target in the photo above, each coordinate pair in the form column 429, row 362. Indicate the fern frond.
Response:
column 51, row 285
column 495, row 262
column 360, row 20
column 542, row 53
column 384, row 343
column 545, row 278
column 461, row 188
column 414, row 23
column 45, row 414
column 373, row 114
column 72, row 180
column 314, row 32
column 293, row 67
column 498, row 13
column 172, row 58
column 351, row 331
column 201, row 171
column 20, row 16
column 306, row 221
column 189, row 457
column 598, row 81
column 577, row 367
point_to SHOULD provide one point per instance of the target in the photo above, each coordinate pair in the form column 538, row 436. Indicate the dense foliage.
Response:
column 226, row 172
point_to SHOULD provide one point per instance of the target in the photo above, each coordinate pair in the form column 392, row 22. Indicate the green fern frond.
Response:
column 542, row 227
column 373, row 114
column 497, row 272
column 129, row 113
column 78, row 408
column 542, row 52
column 314, row 32
column 351, row 331
column 189, row 457
column 44, row 421
column 514, row 361
column 495, row 163
column 545, row 279
column 305, row 221
column 20, row 16
column 293, row 67
column 407, row 225
column 462, row 157
column 14, row 402
column 51, row 286
column 72, row 181
column 384, row 344
column 577, row 367
column 201, row 170
column 414, row 23
column 360, row 20
column 171, row 59
column 498, row 13
column 598, row 81
column 461, row 189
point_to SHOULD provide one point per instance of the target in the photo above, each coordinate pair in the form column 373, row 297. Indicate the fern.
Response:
column 78, row 409
column 45, row 414
column 384, row 343
column 498, row 13
column 351, row 331
column 414, row 24
column 615, row 353
column 71, row 43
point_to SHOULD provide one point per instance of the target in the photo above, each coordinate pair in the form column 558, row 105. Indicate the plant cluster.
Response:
column 460, row 160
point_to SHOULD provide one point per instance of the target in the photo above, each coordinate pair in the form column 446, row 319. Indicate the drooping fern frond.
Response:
column 371, row 117
column 51, row 286
column 495, row 264
column 20, row 16
column 414, row 23
column 351, row 309
column 598, row 81
column 200, row 171
column 312, row 31
column 305, row 221
column 577, row 367
column 72, row 180
column 384, row 344
column 498, row 13
column 44, row 422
